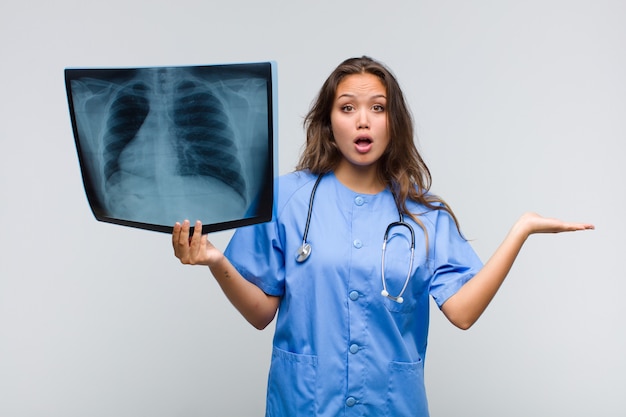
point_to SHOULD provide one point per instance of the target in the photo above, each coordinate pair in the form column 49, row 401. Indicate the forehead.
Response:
column 360, row 85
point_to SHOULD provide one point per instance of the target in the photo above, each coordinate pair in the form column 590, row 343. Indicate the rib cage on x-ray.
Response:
column 127, row 113
column 200, row 114
column 169, row 133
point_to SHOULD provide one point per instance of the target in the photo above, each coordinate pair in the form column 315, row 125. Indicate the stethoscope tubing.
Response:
column 304, row 251
column 385, row 293
column 308, row 216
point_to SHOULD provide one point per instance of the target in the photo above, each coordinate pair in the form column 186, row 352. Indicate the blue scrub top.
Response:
column 340, row 347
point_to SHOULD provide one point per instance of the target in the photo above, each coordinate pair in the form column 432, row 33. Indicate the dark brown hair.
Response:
column 401, row 167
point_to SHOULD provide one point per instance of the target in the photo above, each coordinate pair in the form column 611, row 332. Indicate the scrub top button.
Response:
column 350, row 401
column 354, row 348
column 359, row 200
column 357, row 243
column 354, row 295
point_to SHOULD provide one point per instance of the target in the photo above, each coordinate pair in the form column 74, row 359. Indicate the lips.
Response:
column 363, row 144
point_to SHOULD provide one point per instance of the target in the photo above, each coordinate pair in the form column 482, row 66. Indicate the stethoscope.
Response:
column 304, row 251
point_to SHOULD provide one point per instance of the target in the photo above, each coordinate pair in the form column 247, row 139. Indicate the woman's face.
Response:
column 359, row 120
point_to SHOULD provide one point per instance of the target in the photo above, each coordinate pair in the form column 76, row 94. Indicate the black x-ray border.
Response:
column 266, row 70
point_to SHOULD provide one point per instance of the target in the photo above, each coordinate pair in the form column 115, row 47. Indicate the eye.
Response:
column 379, row 108
column 347, row 108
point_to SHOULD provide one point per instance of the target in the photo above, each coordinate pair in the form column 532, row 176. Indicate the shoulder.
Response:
column 293, row 185
column 294, row 180
column 429, row 204
column 431, row 210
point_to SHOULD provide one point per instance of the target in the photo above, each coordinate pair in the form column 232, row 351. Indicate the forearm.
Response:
column 256, row 306
column 467, row 305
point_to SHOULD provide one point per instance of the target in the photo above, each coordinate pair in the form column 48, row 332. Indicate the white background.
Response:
column 518, row 105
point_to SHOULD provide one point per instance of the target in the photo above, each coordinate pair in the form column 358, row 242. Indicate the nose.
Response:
column 362, row 121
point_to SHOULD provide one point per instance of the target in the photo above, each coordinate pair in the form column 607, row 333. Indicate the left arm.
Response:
column 466, row 306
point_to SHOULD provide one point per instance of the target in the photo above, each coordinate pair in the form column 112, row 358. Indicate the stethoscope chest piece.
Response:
column 303, row 252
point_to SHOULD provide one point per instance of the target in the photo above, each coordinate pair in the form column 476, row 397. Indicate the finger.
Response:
column 582, row 226
column 197, row 229
column 183, row 242
column 176, row 236
column 184, row 233
column 195, row 242
column 572, row 227
column 197, row 233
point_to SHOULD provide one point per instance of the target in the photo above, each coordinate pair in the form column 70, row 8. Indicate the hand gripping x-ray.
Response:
column 163, row 144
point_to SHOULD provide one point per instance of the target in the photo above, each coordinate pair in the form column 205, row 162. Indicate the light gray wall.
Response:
column 519, row 106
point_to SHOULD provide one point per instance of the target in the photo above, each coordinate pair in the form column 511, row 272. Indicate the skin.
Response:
column 359, row 124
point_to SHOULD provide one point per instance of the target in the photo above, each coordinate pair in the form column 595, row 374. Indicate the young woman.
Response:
column 352, row 319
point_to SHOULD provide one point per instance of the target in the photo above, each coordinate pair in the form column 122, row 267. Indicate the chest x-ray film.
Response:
column 162, row 144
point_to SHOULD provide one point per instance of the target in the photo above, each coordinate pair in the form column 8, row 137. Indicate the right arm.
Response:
column 255, row 305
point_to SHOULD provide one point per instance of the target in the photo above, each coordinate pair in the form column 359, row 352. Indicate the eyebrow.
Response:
column 350, row 95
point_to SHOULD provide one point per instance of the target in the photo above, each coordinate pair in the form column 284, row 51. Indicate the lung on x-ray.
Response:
column 158, row 145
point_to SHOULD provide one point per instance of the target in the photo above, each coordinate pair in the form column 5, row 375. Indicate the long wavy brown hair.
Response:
column 401, row 167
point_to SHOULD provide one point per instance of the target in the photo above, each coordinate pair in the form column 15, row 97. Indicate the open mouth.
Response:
column 363, row 144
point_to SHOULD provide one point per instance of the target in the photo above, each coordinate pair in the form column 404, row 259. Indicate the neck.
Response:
column 359, row 179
